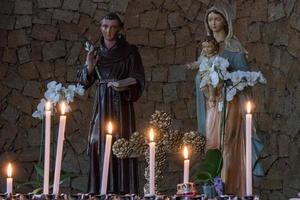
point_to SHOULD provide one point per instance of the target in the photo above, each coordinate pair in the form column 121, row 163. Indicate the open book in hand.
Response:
column 123, row 83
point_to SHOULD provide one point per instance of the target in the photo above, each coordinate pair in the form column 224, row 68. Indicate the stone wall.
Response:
column 41, row 40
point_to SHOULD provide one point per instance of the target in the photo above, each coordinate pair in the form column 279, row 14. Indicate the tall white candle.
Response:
column 151, row 163
column 9, row 180
column 47, row 147
column 59, row 150
column 248, row 150
column 186, row 171
column 106, row 159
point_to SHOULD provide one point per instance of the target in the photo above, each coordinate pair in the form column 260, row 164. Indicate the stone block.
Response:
column 13, row 80
column 42, row 17
column 20, row 102
column 44, row 32
column 63, row 15
column 170, row 5
column 119, row 6
column 180, row 110
column 9, row 55
column 23, row 7
column 93, row 33
column 36, row 50
column 154, row 92
column 88, row 7
column 262, row 53
column 157, row 38
column 192, row 108
column 6, row 7
column 3, row 70
column 175, row 20
column 68, row 31
column 170, row 38
column 84, row 23
column 132, row 20
column 295, row 21
column 23, row 21
column 79, row 183
column 160, row 74
column 185, row 5
column 186, row 90
column 4, row 91
column 259, row 10
column 191, row 52
column 71, row 74
column 48, row 4
column 177, row 73
column 74, row 53
column 23, row 55
column 288, row 6
column 138, row 36
column 71, row 5
column 99, row 14
column 7, row 22
column 28, row 71
column 7, row 135
column 17, row 38
column 3, row 36
column 46, row 69
column 10, row 114
column 254, row 34
column 193, row 11
column 180, row 56
column 60, row 68
column 33, row 89
column 170, row 92
column 149, row 19
column 293, row 47
column 275, row 11
column 166, row 55
column 52, row 50
column 162, row 23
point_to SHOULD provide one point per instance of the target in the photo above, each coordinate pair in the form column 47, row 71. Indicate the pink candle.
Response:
column 106, row 159
column 59, row 150
column 9, row 180
column 47, row 147
column 186, row 170
column 151, row 163
column 248, row 150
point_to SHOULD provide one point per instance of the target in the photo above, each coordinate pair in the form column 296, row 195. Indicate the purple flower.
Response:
column 218, row 185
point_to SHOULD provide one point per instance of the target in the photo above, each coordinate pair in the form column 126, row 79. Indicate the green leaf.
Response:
column 39, row 170
column 210, row 166
column 37, row 190
column 32, row 184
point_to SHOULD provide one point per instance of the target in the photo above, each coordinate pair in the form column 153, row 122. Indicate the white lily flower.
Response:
column 51, row 85
column 214, row 78
column 80, row 90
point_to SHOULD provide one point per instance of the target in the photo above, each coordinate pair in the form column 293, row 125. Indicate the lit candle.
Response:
column 9, row 180
column 106, row 159
column 248, row 150
column 59, row 150
column 186, row 170
column 47, row 147
column 151, row 163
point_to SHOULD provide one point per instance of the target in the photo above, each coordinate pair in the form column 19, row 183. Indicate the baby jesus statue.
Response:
column 211, row 69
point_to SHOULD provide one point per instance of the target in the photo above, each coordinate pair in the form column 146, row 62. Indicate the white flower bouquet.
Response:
column 55, row 93
column 214, row 69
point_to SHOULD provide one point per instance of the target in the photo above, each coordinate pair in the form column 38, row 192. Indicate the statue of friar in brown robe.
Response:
column 118, row 73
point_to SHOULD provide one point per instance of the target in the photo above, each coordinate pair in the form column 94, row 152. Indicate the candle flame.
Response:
column 109, row 128
column 9, row 170
column 248, row 107
column 151, row 135
column 185, row 152
column 63, row 108
column 48, row 105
